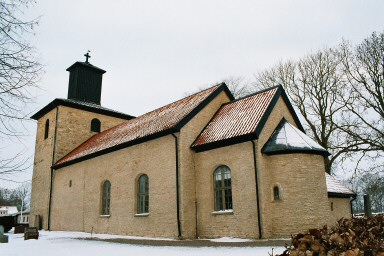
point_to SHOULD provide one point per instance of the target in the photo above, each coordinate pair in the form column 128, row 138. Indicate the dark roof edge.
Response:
column 291, row 109
column 62, row 102
column 224, row 143
column 88, row 65
column 280, row 92
column 298, row 151
column 222, row 87
column 291, row 151
column 111, row 149
column 341, row 195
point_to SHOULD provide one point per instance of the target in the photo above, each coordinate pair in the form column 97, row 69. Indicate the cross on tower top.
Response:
column 87, row 56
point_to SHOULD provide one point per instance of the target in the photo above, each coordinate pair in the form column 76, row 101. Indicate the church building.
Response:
column 205, row 166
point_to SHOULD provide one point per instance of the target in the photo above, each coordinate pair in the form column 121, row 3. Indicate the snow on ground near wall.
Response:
column 65, row 243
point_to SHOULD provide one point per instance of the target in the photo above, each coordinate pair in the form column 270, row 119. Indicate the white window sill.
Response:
column 105, row 216
column 142, row 214
column 226, row 212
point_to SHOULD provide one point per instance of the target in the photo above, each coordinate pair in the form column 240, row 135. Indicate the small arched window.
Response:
column 223, row 188
column 276, row 193
column 106, row 198
column 143, row 194
column 46, row 129
column 95, row 125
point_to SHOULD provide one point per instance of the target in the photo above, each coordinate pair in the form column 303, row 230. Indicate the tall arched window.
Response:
column 95, row 125
column 223, row 188
column 143, row 194
column 46, row 129
column 106, row 198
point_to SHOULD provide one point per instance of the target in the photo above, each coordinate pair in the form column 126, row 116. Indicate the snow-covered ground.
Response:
column 66, row 243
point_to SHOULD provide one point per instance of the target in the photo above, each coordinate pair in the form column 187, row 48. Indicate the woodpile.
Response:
column 350, row 237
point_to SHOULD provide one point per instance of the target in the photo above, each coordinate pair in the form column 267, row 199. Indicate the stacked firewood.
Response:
column 350, row 237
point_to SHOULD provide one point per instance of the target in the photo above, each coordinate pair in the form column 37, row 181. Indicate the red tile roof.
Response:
column 237, row 119
column 154, row 124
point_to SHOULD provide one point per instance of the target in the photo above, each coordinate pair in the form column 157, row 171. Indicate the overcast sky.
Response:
column 156, row 51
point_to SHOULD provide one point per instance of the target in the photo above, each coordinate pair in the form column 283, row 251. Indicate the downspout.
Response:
column 257, row 191
column 51, row 177
column 350, row 202
column 177, row 187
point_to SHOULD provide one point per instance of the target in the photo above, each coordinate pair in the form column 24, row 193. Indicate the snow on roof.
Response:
column 334, row 186
column 237, row 118
column 155, row 123
column 288, row 139
column 9, row 209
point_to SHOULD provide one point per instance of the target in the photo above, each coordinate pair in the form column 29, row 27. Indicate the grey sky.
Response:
column 155, row 51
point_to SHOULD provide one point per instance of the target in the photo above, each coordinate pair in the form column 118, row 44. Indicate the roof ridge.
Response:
column 192, row 95
column 279, row 86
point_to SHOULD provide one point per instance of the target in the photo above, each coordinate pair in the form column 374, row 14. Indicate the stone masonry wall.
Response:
column 73, row 128
column 187, row 166
column 341, row 209
column 242, row 221
column 304, row 179
column 303, row 202
column 42, row 169
column 78, row 207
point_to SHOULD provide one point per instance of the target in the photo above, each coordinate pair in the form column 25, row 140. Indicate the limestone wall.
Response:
column 242, row 221
column 301, row 179
column 340, row 208
column 303, row 202
column 78, row 207
column 187, row 165
column 41, row 169
column 72, row 128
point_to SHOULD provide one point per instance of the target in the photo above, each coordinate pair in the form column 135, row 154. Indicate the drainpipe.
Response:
column 350, row 202
column 53, row 162
column 177, row 187
column 257, row 191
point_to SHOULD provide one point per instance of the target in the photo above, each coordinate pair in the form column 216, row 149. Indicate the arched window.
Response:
column 106, row 198
column 223, row 188
column 95, row 125
column 276, row 193
column 46, row 130
column 143, row 194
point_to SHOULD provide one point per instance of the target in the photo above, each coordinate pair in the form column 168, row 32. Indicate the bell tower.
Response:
column 64, row 124
column 85, row 81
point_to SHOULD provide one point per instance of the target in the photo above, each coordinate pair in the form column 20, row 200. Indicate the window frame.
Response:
column 106, row 198
column 223, row 200
column 142, row 202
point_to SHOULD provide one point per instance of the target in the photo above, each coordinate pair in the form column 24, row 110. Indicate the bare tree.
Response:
column 315, row 84
column 19, row 196
column 19, row 75
column 23, row 193
column 238, row 86
column 363, row 119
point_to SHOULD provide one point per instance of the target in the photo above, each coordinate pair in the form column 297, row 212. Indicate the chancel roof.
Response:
column 240, row 120
column 336, row 189
column 288, row 139
column 157, row 123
